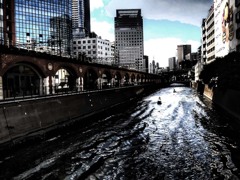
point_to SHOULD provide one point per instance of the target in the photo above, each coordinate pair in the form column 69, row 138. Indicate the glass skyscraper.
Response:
column 7, row 25
column 43, row 25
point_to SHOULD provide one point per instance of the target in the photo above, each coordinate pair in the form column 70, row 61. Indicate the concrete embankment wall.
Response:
column 22, row 118
column 228, row 100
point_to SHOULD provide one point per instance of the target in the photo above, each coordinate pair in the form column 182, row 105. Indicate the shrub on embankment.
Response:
column 223, row 78
column 223, row 72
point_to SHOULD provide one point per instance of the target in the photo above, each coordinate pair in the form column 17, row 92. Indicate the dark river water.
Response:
column 183, row 138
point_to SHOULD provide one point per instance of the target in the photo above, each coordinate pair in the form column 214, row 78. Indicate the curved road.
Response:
column 183, row 138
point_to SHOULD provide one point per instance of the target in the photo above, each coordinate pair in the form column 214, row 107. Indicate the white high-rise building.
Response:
column 204, row 42
column 97, row 49
column 210, row 36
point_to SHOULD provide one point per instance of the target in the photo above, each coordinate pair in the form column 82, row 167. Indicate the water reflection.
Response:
column 180, row 139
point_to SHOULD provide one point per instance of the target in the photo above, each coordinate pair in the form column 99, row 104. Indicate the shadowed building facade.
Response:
column 129, row 38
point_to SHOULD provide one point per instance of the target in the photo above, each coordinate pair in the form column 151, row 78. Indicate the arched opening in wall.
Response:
column 65, row 80
column 143, row 79
column 133, row 79
column 90, row 80
column 21, row 80
column 126, row 80
column 106, row 79
column 138, row 79
column 117, row 79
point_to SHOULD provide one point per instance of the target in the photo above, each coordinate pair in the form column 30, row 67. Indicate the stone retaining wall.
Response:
column 22, row 118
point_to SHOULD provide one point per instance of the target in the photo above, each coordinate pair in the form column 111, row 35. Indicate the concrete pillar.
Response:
column 122, row 81
column 1, row 88
column 78, row 84
column 46, row 87
column 113, row 82
column 53, row 84
column 99, row 83
column 139, row 81
column 81, row 84
column 41, row 86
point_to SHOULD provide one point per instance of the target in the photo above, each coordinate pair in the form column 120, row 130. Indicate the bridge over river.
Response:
column 185, row 137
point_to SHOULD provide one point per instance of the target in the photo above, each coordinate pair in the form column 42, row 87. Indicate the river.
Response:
column 185, row 137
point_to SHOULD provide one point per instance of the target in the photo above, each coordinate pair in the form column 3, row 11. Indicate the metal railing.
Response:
column 47, row 91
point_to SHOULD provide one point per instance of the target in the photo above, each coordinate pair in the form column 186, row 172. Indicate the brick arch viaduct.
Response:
column 79, row 76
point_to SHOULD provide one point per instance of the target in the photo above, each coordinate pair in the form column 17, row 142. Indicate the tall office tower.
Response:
column 31, row 25
column 129, row 38
column 81, row 18
column 146, row 62
column 172, row 63
column 60, row 30
column 182, row 51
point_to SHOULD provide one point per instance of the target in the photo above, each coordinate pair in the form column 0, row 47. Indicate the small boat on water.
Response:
column 159, row 101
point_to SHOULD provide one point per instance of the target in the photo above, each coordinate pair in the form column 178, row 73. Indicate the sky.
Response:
column 166, row 23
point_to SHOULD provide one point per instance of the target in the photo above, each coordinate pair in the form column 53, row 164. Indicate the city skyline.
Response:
column 165, row 26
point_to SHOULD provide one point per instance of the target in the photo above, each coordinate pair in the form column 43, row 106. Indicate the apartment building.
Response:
column 98, row 50
column 210, row 36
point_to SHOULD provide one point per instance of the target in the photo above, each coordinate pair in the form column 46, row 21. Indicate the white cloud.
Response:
column 162, row 49
column 103, row 29
column 95, row 4
column 159, row 49
column 185, row 11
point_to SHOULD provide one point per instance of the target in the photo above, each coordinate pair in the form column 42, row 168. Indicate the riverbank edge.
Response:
column 227, row 100
column 25, row 120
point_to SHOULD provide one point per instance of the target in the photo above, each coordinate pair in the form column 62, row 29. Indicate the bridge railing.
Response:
column 31, row 93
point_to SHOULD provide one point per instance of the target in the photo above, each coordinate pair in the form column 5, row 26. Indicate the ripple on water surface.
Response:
column 182, row 138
